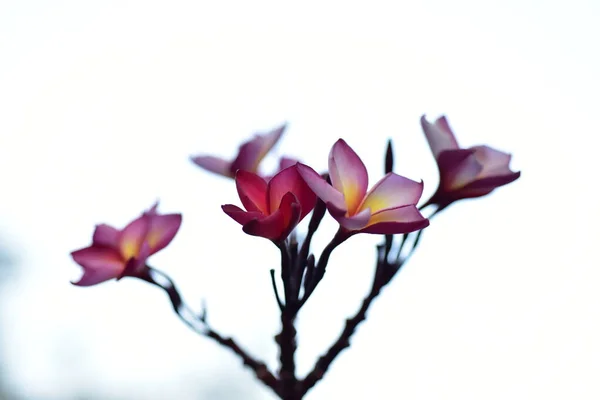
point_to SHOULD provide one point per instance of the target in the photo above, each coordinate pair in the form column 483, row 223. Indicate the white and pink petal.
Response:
column 355, row 222
column 214, row 164
column 323, row 190
column 348, row 174
column 392, row 191
column 438, row 135
column 494, row 162
column 396, row 221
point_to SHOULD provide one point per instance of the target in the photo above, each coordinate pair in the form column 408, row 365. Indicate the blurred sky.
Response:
column 103, row 102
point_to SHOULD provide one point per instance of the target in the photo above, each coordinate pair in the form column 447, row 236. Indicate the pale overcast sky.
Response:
column 102, row 103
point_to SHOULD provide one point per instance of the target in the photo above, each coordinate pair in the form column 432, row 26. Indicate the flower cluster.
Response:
column 275, row 204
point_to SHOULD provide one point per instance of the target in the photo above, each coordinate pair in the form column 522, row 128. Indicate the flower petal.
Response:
column 392, row 191
column 449, row 159
column 240, row 216
column 279, row 224
column 439, row 135
column 285, row 162
column 348, row 174
column 253, row 151
column 133, row 235
column 330, row 196
column 162, row 230
column 214, row 164
column 106, row 236
column 152, row 210
column 484, row 186
column 356, row 222
column 462, row 174
column 99, row 264
column 494, row 162
column 396, row 220
column 252, row 190
column 136, row 265
column 286, row 181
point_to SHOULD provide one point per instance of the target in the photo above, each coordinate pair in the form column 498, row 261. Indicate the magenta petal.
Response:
column 392, row 191
column 270, row 227
column 291, row 210
column 240, row 216
column 214, row 164
column 449, row 159
column 163, row 229
column 252, row 190
column 357, row 221
column 133, row 235
column 463, row 174
column 396, row 228
column 152, row 210
column 286, row 181
column 396, row 220
column 439, row 135
column 252, row 152
column 348, row 174
column 486, row 185
column 99, row 265
column 278, row 225
column 285, row 162
column 106, row 236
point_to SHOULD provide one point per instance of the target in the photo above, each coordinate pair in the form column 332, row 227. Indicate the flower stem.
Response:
column 319, row 270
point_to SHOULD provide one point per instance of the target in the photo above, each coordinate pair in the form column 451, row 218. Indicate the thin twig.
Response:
column 320, row 268
column 275, row 290
column 199, row 325
column 342, row 342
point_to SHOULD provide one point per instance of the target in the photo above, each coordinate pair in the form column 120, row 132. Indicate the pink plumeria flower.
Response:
column 274, row 208
column 464, row 173
column 116, row 253
column 388, row 208
column 249, row 156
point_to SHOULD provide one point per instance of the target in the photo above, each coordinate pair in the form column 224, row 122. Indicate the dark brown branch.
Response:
column 342, row 342
column 199, row 324
column 260, row 369
column 286, row 339
column 384, row 273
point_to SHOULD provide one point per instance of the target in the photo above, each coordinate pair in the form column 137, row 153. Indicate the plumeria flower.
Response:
column 464, row 173
column 388, row 208
column 274, row 208
column 117, row 253
column 249, row 156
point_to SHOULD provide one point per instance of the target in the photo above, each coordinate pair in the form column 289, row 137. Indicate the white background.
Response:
column 103, row 102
